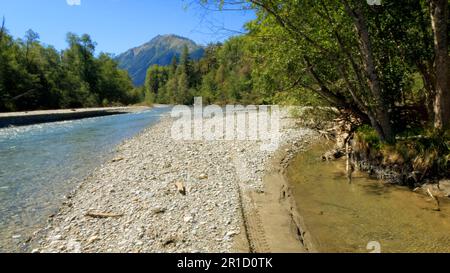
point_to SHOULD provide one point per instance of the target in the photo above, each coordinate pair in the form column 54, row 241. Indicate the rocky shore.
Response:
column 162, row 195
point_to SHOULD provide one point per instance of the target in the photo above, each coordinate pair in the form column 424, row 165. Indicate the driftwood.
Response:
column 103, row 215
column 349, row 164
column 438, row 205
column 117, row 159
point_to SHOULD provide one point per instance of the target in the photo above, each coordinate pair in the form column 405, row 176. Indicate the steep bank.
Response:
column 134, row 203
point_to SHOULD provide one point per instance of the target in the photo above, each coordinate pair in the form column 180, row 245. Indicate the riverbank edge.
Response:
column 277, row 183
column 38, row 117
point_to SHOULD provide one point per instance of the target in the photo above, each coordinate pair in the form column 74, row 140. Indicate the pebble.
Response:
column 92, row 239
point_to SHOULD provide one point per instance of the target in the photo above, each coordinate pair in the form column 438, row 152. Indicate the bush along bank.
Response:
column 411, row 161
column 415, row 158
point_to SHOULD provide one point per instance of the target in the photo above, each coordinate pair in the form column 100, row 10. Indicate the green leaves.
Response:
column 34, row 76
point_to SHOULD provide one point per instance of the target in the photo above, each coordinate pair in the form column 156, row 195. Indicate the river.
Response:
column 40, row 164
column 366, row 215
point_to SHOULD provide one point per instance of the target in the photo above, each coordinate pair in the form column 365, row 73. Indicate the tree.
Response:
column 439, row 18
column 30, row 38
column 114, row 85
column 186, row 64
column 156, row 78
column 173, row 65
column 182, row 91
column 2, row 30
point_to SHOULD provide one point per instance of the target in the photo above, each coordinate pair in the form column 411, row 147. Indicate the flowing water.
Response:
column 344, row 217
column 41, row 163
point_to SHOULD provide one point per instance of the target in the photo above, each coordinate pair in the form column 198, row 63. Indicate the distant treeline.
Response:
column 223, row 75
column 36, row 76
column 227, row 73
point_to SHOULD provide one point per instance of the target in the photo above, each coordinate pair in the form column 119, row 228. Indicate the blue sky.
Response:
column 117, row 25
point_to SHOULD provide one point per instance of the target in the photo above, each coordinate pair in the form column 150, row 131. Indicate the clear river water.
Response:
column 366, row 215
column 39, row 164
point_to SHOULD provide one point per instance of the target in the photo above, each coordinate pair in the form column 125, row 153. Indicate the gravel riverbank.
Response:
column 133, row 204
column 45, row 116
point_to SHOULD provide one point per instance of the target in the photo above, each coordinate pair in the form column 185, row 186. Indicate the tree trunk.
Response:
column 380, row 108
column 429, row 84
column 439, row 17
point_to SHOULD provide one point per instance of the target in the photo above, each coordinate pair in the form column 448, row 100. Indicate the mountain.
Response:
column 160, row 50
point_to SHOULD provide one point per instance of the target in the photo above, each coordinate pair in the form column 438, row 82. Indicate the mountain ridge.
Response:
column 159, row 50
